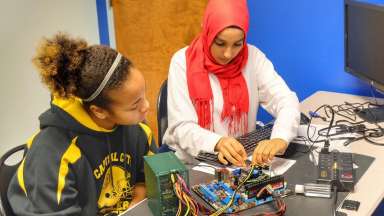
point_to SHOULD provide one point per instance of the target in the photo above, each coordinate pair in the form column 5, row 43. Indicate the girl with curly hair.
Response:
column 87, row 158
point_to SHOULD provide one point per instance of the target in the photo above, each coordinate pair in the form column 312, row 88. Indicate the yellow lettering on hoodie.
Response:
column 106, row 161
column 129, row 158
column 114, row 157
column 122, row 157
column 101, row 168
column 96, row 173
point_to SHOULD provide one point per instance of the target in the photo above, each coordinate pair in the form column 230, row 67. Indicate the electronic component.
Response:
column 316, row 115
column 338, row 213
column 351, row 205
column 254, row 191
column 158, row 168
column 314, row 190
column 336, row 168
column 253, row 187
column 222, row 174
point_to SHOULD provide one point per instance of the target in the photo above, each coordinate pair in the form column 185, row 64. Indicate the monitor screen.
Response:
column 364, row 41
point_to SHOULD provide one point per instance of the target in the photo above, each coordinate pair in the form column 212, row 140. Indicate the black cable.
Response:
column 307, row 143
column 375, row 134
column 334, row 203
column 379, row 131
column 349, row 111
column 348, row 122
column 303, row 139
column 344, row 129
column 327, row 108
column 346, row 126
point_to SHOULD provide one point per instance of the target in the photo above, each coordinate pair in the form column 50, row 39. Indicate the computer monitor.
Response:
column 364, row 48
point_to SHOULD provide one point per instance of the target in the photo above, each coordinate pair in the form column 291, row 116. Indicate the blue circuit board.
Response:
column 218, row 192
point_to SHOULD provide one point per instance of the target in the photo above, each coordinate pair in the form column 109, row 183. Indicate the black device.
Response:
column 336, row 168
column 249, row 141
column 351, row 205
column 337, row 213
column 364, row 45
column 304, row 119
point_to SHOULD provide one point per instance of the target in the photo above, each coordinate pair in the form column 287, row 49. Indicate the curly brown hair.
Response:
column 69, row 67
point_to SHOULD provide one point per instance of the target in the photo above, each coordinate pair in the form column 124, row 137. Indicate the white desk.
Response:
column 369, row 191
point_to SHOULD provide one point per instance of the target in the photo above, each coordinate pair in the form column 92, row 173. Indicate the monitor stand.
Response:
column 372, row 115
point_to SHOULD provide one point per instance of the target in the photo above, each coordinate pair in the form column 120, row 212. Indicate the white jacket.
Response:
column 265, row 87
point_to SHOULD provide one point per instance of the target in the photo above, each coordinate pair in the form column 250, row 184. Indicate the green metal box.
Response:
column 162, row 199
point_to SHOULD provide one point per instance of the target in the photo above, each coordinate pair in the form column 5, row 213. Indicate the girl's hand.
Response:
column 230, row 150
column 267, row 149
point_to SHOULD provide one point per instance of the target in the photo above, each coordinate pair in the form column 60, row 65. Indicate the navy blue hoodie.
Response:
column 75, row 167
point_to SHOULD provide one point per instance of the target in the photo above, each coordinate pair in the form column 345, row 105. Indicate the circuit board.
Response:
column 218, row 192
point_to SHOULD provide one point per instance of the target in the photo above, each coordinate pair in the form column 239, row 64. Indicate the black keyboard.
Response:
column 249, row 141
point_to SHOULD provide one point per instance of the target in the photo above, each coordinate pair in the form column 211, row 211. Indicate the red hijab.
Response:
column 219, row 14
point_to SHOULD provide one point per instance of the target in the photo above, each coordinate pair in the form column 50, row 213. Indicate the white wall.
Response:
column 22, row 24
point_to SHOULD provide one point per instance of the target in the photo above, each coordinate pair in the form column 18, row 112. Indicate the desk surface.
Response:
column 369, row 190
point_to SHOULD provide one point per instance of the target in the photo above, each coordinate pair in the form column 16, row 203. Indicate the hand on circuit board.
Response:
column 230, row 150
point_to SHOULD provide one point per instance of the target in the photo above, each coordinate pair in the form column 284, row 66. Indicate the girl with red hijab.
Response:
column 215, row 86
